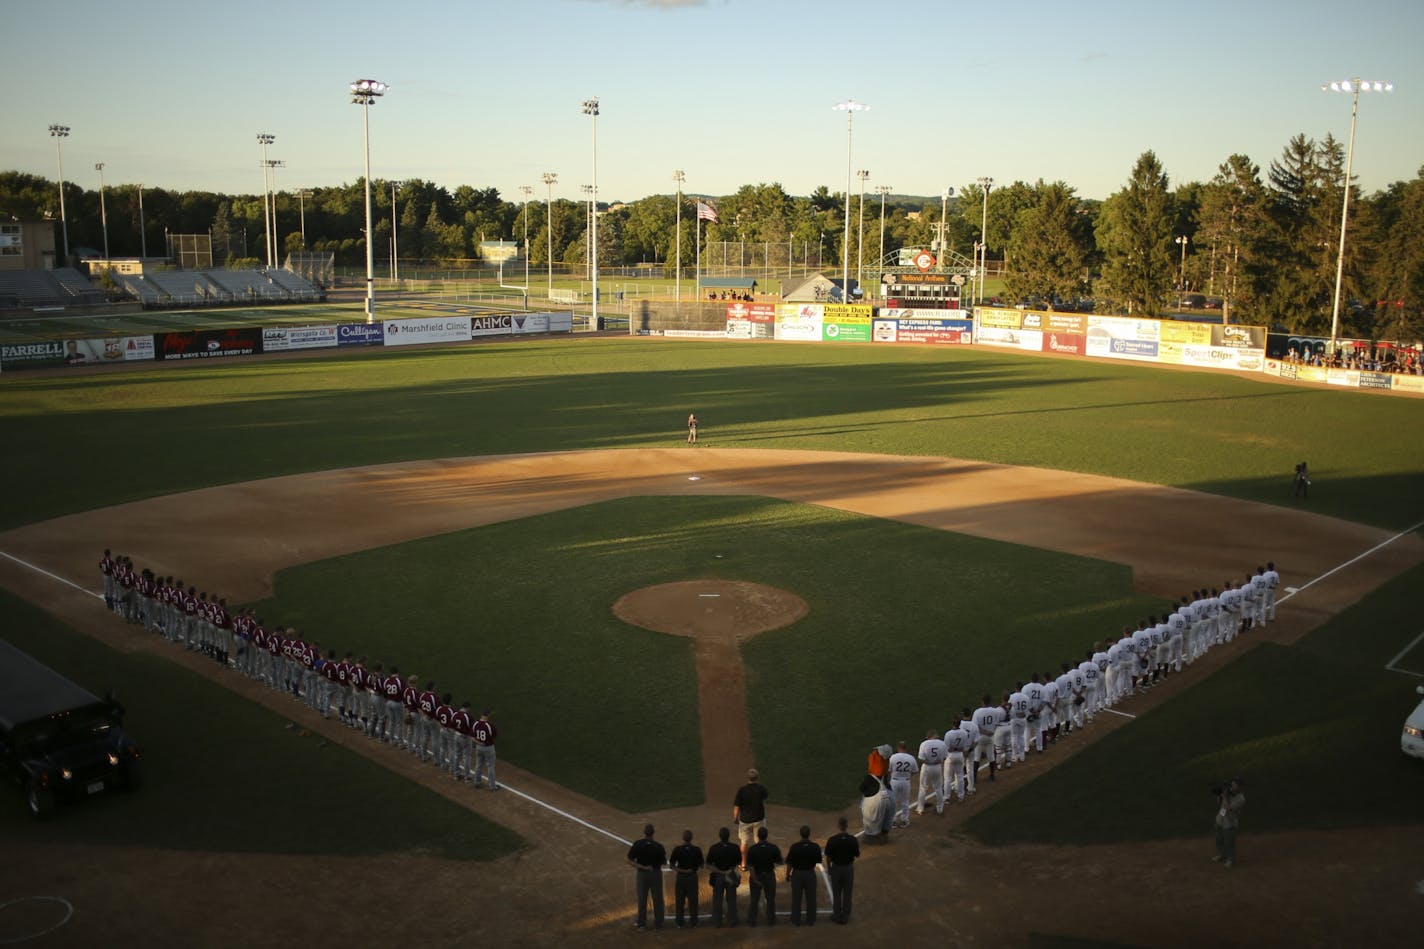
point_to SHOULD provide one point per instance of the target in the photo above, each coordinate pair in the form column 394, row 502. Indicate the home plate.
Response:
column 694, row 477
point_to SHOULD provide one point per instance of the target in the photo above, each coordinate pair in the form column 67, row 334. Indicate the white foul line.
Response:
column 1334, row 570
column 1389, row 666
column 577, row 820
column 1116, row 712
column 68, row 583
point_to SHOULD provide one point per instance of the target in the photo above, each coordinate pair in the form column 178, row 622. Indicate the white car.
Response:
column 1412, row 741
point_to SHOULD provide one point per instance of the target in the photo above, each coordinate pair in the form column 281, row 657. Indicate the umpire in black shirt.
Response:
column 762, row 860
column 841, row 853
column 647, row 857
column 685, row 861
column 802, row 859
column 723, row 858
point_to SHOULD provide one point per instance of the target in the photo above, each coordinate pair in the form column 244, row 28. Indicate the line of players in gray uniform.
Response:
column 384, row 705
column 1035, row 713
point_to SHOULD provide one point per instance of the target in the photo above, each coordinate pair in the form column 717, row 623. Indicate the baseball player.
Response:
column 484, row 734
column 957, row 744
column 1090, row 674
column 902, row 767
column 933, row 755
column 1048, row 715
column 393, row 722
column 971, row 737
column 986, row 717
column 1273, row 581
column 410, row 696
column 1034, row 723
column 425, row 725
column 1100, row 684
column 1018, row 705
column 464, row 743
column 106, row 567
column 1067, row 692
column 444, row 733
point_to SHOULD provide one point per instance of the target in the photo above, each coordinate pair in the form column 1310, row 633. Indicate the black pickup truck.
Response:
column 57, row 740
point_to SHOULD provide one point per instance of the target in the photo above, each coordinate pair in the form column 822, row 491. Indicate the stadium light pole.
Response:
column 526, row 190
column 395, row 246
column 363, row 93
column 587, row 232
column 1354, row 87
column 985, row 184
column 944, row 197
column 142, row 228
column 882, row 190
column 263, row 140
column 679, row 177
column 590, row 108
column 1182, row 242
column 103, row 211
column 58, row 132
column 549, row 179
column 862, row 174
column 273, row 256
column 850, row 107
column 302, row 196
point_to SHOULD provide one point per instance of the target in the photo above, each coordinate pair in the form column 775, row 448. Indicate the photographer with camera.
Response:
column 1231, row 798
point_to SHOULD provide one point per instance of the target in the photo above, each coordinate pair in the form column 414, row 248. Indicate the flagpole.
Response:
column 697, row 295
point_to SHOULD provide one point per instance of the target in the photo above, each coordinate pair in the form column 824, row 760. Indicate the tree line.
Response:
column 1264, row 244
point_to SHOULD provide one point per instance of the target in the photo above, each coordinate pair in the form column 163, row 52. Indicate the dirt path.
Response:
column 238, row 536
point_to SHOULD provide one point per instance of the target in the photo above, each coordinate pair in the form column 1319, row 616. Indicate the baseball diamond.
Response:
column 911, row 461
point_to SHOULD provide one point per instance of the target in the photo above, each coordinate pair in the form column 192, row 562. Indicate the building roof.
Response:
column 728, row 283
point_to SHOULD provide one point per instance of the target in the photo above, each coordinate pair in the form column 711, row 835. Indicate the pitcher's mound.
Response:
column 713, row 609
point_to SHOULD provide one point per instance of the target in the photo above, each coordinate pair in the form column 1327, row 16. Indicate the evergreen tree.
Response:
column 1135, row 236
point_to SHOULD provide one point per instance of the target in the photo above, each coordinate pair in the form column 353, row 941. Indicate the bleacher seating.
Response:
column 297, row 287
column 39, row 288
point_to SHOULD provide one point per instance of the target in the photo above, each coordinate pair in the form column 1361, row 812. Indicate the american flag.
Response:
column 705, row 212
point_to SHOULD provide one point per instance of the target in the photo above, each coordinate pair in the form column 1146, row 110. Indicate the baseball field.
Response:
column 864, row 540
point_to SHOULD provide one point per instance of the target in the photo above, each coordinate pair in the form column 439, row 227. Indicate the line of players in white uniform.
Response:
column 1035, row 713
column 384, row 705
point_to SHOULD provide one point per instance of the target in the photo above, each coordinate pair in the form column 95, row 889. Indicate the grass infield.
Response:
column 517, row 616
column 120, row 436
column 224, row 774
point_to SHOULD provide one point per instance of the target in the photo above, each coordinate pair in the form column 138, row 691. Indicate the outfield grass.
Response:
column 1314, row 728
column 517, row 616
column 223, row 774
column 120, row 436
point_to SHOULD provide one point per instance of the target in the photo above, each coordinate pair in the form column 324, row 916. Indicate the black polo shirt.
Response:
column 804, row 855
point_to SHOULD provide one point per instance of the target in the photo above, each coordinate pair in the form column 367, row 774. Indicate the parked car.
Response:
column 1412, row 741
column 59, row 741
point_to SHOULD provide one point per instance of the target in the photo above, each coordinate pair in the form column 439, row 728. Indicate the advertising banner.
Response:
column 1223, row 357
column 846, row 312
column 1242, row 337
column 752, row 312
column 908, row 328
column 994, row 316
column 1067, row 344
column 846, row 329
column 278, row 338
column 1031, row 340
column 1403, row 383
column 739, row 329
column 1071, row 323
column 110, row 349
column 1374, row 380
column 1122, row 337
column 1343, row 377
column 33, row 355
column 437, row 329
column 491, row 324
column 360, row 334
column 1177, row 334
column 799, row 321
column 209, row 344
column 555, row 321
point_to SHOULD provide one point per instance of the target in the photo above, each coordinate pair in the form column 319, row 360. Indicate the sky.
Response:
column 172, row 93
